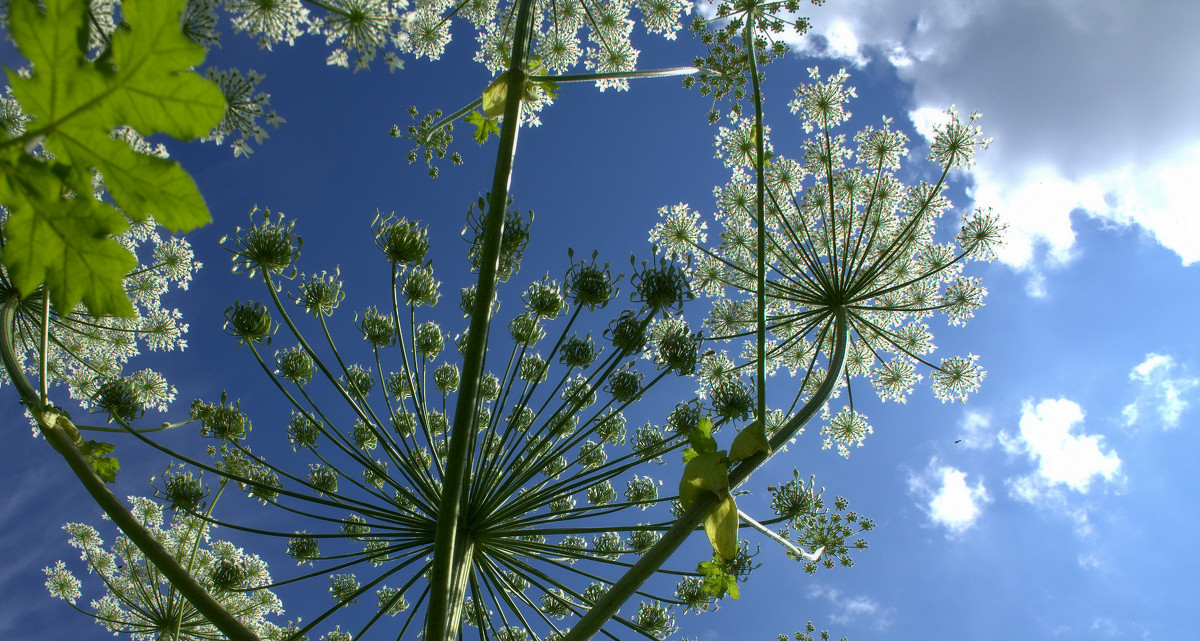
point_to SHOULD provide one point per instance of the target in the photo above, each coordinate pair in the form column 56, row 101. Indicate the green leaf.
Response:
column 64, row 243
column 721, row 526
column 704, row 473
column 143, row 81
column 701, row 437
column 106, row 467
column 731, row 586
column 549, row 87
column 717, row 582
column 495, row 96
column 748, row 442
column 484, row 126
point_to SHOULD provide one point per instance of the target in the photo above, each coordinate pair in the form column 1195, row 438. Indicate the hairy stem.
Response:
column 43, row 355
column 769, row 533
column 618, row 75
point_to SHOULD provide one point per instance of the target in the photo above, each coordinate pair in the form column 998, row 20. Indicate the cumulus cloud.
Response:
column 975, row 430
column 1162, row 389
column 1086, row 101
column 948, row 500
column 1051, row 435
column 860, row 609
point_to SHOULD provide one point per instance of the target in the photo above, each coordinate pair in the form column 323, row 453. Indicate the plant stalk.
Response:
column 760, row 206
column 452, row 547
column 61, row 434
column 633, row 579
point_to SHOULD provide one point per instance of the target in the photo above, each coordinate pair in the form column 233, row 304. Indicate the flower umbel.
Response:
column 843, row 236
column 139, row 601
column 553, row 451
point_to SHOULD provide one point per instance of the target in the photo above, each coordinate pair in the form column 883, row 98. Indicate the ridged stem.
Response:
column 452, row 550
column 760, row 206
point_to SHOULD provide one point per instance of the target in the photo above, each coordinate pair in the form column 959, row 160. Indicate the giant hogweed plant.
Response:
column 837, row 281
column 557, row 497
column 560, row 498
column 81, row 192
column 545, row 546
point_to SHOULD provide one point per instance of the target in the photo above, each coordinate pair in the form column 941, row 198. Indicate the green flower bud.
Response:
column 578, row 352
column 304, row 548
column 295, row 365
column 269, row 246
column 249, row 323
column 377, row 328
column 589, row 284
column 401, row 241
column 430, row 340
column 119, row 398
column 322, row 294
column 420, row 288
column 627, row 333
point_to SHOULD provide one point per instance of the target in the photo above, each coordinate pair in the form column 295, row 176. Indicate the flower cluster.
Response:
column 246, row 110
column 592, row 32
column 806, row 519
column 87, row 353
column 843, row 236
column 139, row 601
column 84, row 352
column 554, row 456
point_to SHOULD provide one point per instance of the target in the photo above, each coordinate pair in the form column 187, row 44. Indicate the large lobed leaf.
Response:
column 143, row 81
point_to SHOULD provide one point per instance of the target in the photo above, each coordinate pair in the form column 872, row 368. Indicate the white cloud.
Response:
column 1083, row 523
column 840, row 42
column 1105, row 626
column 1087, row 101
column 1160, row 391
column 847, row 609
column 1051, row 435
column 926, row 120
column 950, row 501
column 976, row 430
column 956, row 505
column 1088, row 561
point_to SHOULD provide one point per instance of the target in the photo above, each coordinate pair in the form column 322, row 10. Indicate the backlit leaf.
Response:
column 748, row 442
column 495, row 96
column 701, row 437
column 57, row 233
column 704, row 473
column 721, row 526
column 106, row 467
column 484, row 126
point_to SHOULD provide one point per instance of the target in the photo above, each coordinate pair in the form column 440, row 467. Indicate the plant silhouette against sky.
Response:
column 491, row 475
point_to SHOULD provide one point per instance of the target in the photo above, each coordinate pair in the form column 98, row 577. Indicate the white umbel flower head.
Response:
column 845, row 236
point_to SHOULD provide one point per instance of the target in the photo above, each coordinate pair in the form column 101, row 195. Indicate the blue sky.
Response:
column 1056, row 504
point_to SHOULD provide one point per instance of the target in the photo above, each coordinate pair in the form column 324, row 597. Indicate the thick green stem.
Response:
column 623, row 589
column 29, row 396
column 452, row 547
column 760, row 206
column 60, row 433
